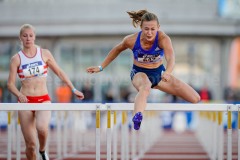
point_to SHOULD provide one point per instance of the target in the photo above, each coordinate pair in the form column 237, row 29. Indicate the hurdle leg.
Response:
column 98, row 152
column 214, row 146
column 220, row 136
column 65, row 134
column 229, row 134
column 14, row 132
column 59, row 135
column 126, row 136
column 109, row 135
column 123, row 136
column 115, row 139
column 134, row 144
column 76, row 116
column 18, row 140
column 9, row 133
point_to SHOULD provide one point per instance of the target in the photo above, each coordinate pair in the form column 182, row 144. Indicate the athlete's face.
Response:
column 149, row 30
column 27, row 37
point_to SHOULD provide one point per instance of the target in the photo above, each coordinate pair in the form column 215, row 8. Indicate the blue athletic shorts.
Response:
column 154, row 74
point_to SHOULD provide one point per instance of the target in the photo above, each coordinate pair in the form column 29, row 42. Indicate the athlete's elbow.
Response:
column 59, row 73
column 9, row 86
column 62, row 75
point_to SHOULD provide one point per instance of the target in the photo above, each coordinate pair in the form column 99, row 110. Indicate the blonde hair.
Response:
column 26, row 26
column 141, row 15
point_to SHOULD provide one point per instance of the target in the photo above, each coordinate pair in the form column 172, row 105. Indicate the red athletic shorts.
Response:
column 38, row 99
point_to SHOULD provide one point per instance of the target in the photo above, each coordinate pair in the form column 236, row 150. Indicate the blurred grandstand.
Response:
column 80, row 34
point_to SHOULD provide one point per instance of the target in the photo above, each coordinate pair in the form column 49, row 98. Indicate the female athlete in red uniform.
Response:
column 31, row 64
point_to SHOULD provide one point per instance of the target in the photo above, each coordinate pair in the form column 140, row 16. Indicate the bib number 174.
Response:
column 33, row 71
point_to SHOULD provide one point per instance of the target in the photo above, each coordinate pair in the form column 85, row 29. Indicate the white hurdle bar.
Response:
column 127, row 107
column 116, row 106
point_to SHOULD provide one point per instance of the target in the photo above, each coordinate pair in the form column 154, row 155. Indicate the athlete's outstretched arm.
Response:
column 110, row 57
column 60, row 73
column 166, row 43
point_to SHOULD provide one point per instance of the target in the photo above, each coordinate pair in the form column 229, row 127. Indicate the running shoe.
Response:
column 137, row 119
column 43, row 155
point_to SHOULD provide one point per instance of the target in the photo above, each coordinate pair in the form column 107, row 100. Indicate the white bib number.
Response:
column 33, row 71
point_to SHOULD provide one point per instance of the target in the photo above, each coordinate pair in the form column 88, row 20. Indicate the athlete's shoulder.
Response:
column 45, row 51
column 15, row 59
column 132, row 36
column 164, row 40
column 46, row 55
column 130, row 40
column 162, row 35
column 15, row 56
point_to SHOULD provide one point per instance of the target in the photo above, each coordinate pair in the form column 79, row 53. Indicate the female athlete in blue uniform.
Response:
column 149, row 46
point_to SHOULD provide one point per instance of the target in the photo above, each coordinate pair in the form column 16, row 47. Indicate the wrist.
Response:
column 73, row 90
column 20, row 94
column 167, row 71
column 100, row 67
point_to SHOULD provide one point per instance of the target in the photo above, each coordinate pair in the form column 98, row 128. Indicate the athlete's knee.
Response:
column 31, row 148
column 145, row 89
column 42, row 132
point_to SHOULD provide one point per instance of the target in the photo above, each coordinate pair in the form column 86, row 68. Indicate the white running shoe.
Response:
column 43, row 156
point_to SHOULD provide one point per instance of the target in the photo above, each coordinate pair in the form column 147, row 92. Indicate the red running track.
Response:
column 171, row 146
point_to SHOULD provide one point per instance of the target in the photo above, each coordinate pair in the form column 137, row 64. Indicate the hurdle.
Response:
column 208, row 113
column 9, row 156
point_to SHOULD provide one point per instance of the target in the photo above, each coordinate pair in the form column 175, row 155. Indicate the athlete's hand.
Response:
column 166, row 77
column 79, row 94
column 22, row 98
column 93, row 69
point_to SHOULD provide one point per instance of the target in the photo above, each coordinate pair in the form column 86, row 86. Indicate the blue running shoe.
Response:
column 137, row 119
